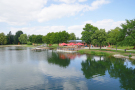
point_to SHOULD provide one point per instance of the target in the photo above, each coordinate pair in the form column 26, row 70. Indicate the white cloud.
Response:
column 66, row 1
column 82, row 0
column 106, row 24
column 62, row 10
column 18, row 12
column 39, row 30
column 77, row 29
column 56, row 71
column 98, row 3
column 59, row 11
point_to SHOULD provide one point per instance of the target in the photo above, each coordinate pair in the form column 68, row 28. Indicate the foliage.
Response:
column 23, row 38
column 3, row 38
column 10, row 38
column 38, row 39
column 87, row 33
column 47, row 39
column 29, row 43
column 129, row 55
column 33, row 38
column 17, row 35
column 72, row 36
column 77, row 38
column 55, row 59
column 99, row 37
column 113, row 36
column 127, row 33
column 59, row 37
column 64, row 36
column 80, row 51
column 94, row 67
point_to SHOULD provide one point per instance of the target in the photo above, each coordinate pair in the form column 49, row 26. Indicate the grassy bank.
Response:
column 122, row 47
column 54, row 46
column 103, row 52
column 95, row 52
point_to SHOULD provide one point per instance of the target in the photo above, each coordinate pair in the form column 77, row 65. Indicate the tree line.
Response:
column 50, row 38
column 124, row 36
column 90, row 34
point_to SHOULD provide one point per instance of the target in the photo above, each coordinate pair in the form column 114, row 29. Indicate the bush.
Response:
column 82, row 52
column 130, row 56
column 29, row 43
column 92, row 52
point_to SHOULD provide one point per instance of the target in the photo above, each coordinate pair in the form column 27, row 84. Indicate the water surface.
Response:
column 23, row 69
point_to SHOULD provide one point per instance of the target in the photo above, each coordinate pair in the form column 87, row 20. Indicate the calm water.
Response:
column 23, row 69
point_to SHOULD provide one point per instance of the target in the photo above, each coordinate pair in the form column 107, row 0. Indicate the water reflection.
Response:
column 94, row 67
column 28, row 70
column 126, row 75
column 58, row 59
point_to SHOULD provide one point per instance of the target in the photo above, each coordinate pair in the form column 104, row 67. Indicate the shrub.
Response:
column 81, row 52
column 129, row 55
column 92, row 52
column 29, row 43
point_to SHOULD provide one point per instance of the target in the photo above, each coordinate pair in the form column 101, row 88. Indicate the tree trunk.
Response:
column 89, row 46
column 134, row 47
column 116, row 48
column 100, row 47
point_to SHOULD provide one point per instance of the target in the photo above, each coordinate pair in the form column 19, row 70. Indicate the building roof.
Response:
column 76, row 41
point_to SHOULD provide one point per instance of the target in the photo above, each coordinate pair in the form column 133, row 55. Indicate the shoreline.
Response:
column 107, row 53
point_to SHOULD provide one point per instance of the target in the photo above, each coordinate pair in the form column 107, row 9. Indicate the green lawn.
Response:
column 53, row 46
column 102, row 51
column 123, row 47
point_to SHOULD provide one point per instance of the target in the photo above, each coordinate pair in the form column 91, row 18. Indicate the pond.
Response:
column 23, row 69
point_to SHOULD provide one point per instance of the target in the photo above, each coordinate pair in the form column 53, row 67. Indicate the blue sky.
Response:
column 44, row 16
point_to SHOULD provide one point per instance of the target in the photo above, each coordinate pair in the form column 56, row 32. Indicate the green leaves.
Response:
column 99, row 37
column 72, row 36
column 3, row 39
column 58, row 37
column 127, row 33
column 87, row 33
column 18, row 33
column 23, row 38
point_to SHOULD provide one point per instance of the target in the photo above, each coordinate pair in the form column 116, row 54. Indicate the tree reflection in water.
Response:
column 126, row 75
column 56, row 59
column 115, row 67
column 92, row 67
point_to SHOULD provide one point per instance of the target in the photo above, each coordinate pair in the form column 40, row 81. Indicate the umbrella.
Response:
column 62, row 44
column 72, row 44
column 79, row 44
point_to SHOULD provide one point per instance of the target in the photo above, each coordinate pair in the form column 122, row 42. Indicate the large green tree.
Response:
column 39, row 39
column 99, row 37
column 10, row 38
column 87, row 33
column 64, row 36
column 72, row 36
column 34, row 38
column 113, row 36
column 47, row 38
column 127, row 31
column 60, row 37
column 3, row 39
column 23, row 38
column 17, row 35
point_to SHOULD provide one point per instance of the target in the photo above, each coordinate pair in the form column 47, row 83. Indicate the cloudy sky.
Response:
column 44, row 16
